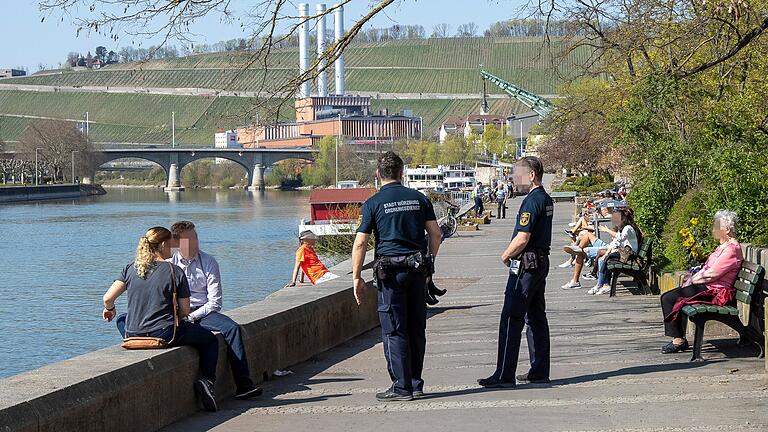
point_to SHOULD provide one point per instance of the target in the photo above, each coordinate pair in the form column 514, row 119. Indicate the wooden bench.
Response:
column 747, row 295
column 638, row 272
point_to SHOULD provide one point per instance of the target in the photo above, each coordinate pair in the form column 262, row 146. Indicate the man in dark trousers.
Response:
column 527, row 257
column 398, row 217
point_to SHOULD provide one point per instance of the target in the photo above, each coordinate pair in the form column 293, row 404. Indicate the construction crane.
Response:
column 538, row 104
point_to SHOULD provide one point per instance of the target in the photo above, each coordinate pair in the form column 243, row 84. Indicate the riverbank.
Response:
column 16, row 194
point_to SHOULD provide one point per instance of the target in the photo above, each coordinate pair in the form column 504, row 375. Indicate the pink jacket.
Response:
column 725, row 261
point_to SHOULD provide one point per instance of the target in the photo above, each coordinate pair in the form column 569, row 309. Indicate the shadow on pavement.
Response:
column 300, row 380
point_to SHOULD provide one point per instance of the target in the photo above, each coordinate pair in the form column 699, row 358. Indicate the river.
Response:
column 57, row 258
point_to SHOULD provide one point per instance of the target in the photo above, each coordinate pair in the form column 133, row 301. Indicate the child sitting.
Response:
column 308, row 262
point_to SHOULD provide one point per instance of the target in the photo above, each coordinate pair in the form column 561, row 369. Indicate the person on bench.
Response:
column 713, row 284
column 204, row 277
column 627, row 234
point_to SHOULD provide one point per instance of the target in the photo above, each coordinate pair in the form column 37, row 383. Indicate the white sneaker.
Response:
column 594, row 290
column 566, row 264
column 574, row 250
column 572, row 224
column 604, row 290
column 571, row 286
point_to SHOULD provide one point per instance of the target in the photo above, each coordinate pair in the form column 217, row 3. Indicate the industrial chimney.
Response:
column 303, row 48
column 322, row 78
column 339, row 33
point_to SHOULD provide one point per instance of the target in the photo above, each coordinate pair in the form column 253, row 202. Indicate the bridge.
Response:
column 173, row 160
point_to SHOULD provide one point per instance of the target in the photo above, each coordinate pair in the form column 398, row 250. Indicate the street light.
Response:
column 37, row 171
column 173, row 129
column 73, row 165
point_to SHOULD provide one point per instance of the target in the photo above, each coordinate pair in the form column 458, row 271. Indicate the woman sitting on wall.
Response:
column 713, row 284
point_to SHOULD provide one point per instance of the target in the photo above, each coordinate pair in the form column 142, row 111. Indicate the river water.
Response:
column 57, row 258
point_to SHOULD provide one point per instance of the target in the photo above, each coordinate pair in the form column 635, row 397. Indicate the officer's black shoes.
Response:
column 391, row 396
column 526, row 378
column 418, row 394
column 493, row 382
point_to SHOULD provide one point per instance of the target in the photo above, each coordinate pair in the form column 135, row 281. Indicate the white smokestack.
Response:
column 339, row 33
column 303, row 48
column 322, row 78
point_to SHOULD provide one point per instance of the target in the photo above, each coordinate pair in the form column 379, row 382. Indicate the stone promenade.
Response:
column 607, row 371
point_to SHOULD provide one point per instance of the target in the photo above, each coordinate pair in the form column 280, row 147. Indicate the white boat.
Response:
column 424, row 178
column 458, row 177
column 440, row 178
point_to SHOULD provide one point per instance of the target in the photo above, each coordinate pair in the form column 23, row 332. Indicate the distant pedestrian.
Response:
column 477, row 194
column 308, row 262
column 501, row 201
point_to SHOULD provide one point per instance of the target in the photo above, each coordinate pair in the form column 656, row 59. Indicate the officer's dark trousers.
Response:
column 403, row 317
column 524, row 304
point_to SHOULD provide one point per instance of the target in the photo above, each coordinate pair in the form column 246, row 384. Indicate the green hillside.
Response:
column 147, row 118
column 407, row 66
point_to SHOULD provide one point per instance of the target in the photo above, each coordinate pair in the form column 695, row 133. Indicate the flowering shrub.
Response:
column 690, row 236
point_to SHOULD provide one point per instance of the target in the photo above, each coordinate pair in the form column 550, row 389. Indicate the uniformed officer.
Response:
column 397, row 217
column 528, row 259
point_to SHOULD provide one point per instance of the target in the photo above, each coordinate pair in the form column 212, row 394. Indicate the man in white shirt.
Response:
column 204, row 278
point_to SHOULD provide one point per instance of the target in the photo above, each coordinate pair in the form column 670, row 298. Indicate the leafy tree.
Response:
column 55, row 141
column 101, row 53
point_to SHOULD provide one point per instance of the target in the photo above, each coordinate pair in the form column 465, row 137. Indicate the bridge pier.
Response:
column 257, row 178
column 174, row 184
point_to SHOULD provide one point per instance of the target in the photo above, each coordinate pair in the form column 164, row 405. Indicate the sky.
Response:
column 29, row 43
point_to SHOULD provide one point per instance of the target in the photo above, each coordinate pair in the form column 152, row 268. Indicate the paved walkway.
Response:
column 608, row 374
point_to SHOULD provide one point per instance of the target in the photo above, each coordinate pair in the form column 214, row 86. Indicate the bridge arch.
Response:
column 249, row 170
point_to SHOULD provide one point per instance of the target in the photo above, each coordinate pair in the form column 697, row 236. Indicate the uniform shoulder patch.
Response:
column 525, row 218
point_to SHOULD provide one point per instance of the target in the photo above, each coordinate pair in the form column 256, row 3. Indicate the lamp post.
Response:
column 338, row 138
column 173, row 129
column 73, row 165
column 37, row 171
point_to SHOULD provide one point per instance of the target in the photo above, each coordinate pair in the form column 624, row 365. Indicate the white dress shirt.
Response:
column 204, row 280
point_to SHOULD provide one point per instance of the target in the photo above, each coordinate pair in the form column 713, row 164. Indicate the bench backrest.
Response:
column 645, row 252
column 747, row 280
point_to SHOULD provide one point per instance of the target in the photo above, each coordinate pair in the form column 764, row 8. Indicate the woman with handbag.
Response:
column 158, row 303
column 624, row 245
column 712, row 284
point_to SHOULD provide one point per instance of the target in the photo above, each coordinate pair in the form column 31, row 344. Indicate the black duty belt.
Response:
column 416, row 262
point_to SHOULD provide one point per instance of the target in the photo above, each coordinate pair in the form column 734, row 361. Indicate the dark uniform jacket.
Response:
column 396, row 216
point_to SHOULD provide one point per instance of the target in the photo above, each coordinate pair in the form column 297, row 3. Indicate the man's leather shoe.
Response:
column 492, row 382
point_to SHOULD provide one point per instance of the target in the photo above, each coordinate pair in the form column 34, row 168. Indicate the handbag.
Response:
column 148, row 342
column 628, row 256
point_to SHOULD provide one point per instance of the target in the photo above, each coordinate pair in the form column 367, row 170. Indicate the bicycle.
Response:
column 449, row 224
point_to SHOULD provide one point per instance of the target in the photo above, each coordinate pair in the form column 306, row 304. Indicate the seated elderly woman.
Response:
column 713, row 284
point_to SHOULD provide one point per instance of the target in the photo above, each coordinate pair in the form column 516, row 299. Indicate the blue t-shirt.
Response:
column 397, row 217
column 535, row 217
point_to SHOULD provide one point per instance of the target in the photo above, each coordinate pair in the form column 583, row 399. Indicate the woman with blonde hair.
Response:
column 150, row 282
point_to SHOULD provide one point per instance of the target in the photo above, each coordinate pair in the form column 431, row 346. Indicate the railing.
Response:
column 460, row 198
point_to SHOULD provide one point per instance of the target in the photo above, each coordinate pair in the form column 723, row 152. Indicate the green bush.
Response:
column 738, row 181
column 691, row 205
